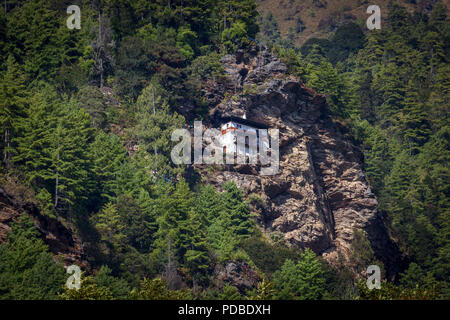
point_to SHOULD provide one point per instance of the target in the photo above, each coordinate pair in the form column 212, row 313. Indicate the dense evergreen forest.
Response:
column 73, row 103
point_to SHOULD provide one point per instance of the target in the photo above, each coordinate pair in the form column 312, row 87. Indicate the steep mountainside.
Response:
column 320, row 195
column 88, row 119
column 318, row 18
column 61, row 240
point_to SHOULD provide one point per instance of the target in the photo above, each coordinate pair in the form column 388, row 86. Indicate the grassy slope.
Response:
column 319, row 21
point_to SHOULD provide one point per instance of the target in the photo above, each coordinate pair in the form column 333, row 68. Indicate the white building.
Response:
column 232, row 127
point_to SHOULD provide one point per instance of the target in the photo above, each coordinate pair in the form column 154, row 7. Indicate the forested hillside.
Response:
column 86, row 117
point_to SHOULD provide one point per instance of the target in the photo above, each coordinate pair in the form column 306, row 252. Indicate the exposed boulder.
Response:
column 239, row 275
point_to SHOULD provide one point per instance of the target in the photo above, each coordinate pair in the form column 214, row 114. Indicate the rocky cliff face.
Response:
column 320, row 195
column 62, row 241
column 318, row 198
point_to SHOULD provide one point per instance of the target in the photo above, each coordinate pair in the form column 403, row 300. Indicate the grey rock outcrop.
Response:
column 320, row 194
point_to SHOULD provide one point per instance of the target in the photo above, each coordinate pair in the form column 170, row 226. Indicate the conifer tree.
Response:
column 208, row 204
column 53, row 149
column 269, row 28
column 414, row 122
column 27, row 270
column 303, row 281
column 91, row 100
column 325, row 79
column 70, row 158
column 118, row 287
column 439, row 100
column 236, row 211
column 34, row 36
column 108, row 156
column 389, row 94
column 154, row 129
column 108, row 223
column 89, row 290
column 12, row 105
column 231, row 224
column 196, row 258
column 175, row 209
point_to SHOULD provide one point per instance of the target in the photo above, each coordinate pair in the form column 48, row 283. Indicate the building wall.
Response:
column 229, row 136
